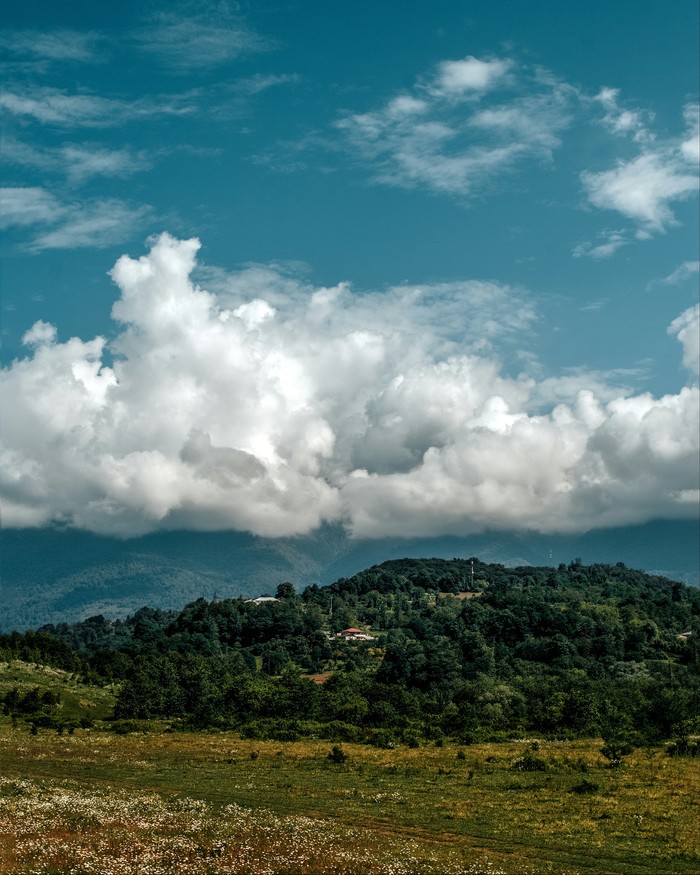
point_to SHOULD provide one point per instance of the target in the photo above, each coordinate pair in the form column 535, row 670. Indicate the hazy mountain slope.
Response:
column 49, row 575
column 669, row 548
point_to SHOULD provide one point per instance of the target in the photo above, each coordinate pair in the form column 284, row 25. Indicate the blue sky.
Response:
column 436, row 242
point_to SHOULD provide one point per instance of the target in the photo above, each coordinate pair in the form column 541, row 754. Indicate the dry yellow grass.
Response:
column 199, row 803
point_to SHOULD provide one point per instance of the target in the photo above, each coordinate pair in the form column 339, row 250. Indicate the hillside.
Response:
column 51, row 575
column 575, row 651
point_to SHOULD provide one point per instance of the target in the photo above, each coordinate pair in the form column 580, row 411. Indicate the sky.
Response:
column 418, row 269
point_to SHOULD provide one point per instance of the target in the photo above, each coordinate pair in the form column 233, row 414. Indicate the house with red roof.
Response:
column 353, row 634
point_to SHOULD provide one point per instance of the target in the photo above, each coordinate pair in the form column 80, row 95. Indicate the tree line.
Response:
column 568, row 652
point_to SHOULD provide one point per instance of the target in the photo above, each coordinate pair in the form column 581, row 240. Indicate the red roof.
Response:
column 353, row 631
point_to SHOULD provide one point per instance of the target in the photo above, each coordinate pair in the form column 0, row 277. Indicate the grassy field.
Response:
column 163, row 802
column 77, row 699
column 94, row 802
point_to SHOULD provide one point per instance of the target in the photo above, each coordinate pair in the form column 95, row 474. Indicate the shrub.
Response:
column 336, row 730
column 272, row 729
column 618, row 746
column 683, row 747
column 384, row 738
column 286, row 732
column 46, row 721
column 585, row 787
column 410, row 738
column 528, row 762
column 124, row 727
column 337, row 754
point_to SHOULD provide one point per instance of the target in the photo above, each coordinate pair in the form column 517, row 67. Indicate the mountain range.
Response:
column 58, row 575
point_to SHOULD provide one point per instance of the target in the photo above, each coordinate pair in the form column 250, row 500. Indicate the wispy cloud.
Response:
column 21, row 207
column 681, row 274
column 687, row 329
column 645, row 187
column 78, row 162
column 264, row 81
column 199, row 36
column 54, row 45
column 606, row 244
column 57, row 107
column 72, row 225
column 86, row 160
column 439, row 137
column 624, row 121
column 94, row 225
column 690, row 144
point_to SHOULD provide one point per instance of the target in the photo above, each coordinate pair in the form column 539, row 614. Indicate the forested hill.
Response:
column 441, row 646
column 57, row 575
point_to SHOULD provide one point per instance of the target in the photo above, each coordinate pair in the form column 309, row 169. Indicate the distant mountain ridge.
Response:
column 53, row 575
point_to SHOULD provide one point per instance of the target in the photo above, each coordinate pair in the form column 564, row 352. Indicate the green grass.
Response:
column 77, row 699
column 170, row 802
column 229, row 804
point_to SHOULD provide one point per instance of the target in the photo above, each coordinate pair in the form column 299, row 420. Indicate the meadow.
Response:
column 168, row 802
column 193, row 778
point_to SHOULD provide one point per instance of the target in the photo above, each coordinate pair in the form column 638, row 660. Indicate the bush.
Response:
column 337, row 730
column 528, row 762
column 410, row 738
column 286, row 731
column 46, row 721
column 618, row 746
column 337, row 754
column 384, row 738
column 273, row 730
column 254, row 729
column 124, row 727
column 683, row 747
column 585, row 787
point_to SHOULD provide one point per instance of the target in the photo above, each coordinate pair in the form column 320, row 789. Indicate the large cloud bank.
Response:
column 270, row 406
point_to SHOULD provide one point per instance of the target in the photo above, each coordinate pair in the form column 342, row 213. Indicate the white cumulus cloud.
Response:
column 269, row 405
column 469, row 75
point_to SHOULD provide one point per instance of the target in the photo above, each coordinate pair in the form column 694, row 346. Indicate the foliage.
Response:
column 337, row 755
column 459, row 648
column 528, row 762
column 585, row 786
column 684, row 747
column 618, row 745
